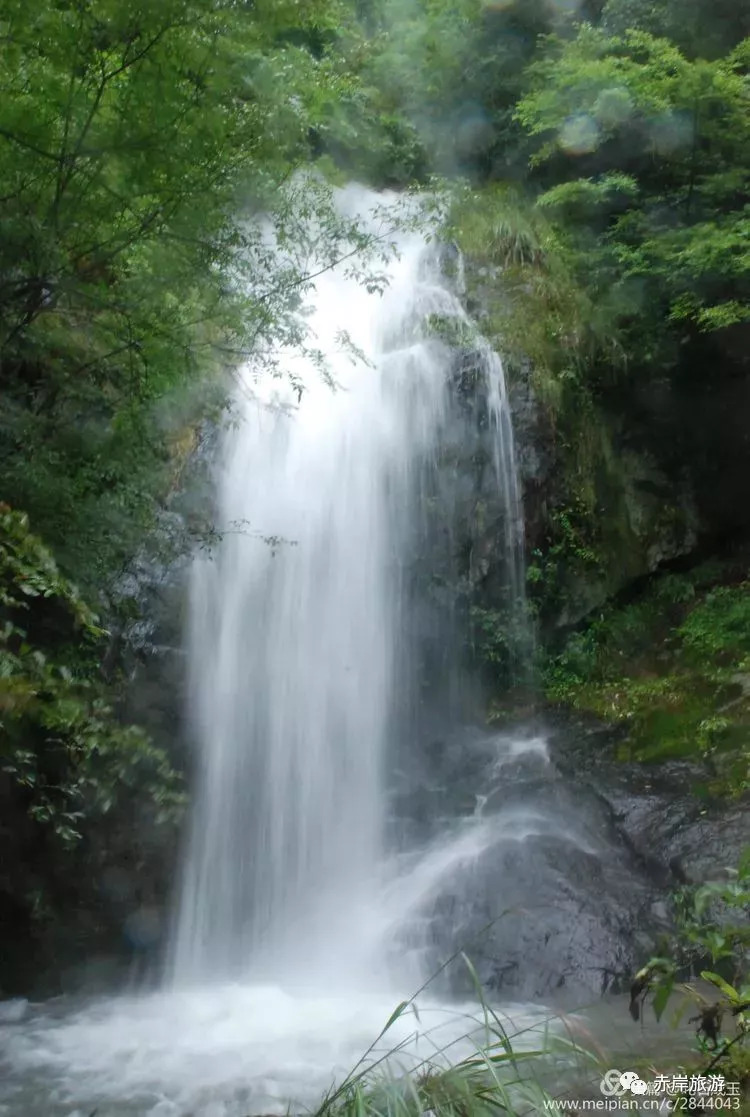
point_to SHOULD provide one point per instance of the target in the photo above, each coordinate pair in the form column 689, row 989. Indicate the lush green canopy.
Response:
column 135, row 140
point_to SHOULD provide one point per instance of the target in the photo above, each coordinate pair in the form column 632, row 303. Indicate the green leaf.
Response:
column 661, row 996
column 727, row 989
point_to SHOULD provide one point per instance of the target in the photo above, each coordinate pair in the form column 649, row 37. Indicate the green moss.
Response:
column 540, row 310
column 720, row 626
column 674, row 667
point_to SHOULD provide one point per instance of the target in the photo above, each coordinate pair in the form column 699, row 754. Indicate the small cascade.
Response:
column 506, row 472
column 506, row 475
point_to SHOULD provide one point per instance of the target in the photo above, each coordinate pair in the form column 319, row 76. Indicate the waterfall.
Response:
column 351, row 829
column 298, row 635
column 506, row 473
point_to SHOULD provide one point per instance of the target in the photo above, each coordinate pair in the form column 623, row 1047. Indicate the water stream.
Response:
column 300, row 652
column 302, row 920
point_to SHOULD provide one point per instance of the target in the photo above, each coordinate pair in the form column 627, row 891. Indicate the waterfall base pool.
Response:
column 216, row 1051
column 242, row 1050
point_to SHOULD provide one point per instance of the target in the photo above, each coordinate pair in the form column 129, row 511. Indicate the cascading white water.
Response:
column 296, row 649
column 506, row 472
column 507, row 476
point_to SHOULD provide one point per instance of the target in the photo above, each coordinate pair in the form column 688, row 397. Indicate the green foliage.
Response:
column 720, row 626
column 135, row 143
column 66, row 755
column 671, row 666
column 423, row 52
column 583, row 197
column 503, row 1071
column 537, row 309
column 712, row 927
column 700, row 28
column 570, row 550
column 477, row 1086
column 443, row 76
column 711, row 934
column 669, row 236
column 497, row 225
column 502, row 642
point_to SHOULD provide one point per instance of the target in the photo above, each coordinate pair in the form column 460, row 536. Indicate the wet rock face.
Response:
column 650, row 467
column 683, row 838
column 568, row 926
column 635, row 514
column 562, row 884
column 546, row 896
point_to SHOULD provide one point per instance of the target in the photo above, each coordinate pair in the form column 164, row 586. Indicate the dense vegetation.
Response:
column 671, row 667
column 598, row 156
column 135, row 144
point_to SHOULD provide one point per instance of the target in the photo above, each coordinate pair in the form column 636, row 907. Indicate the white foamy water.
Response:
column 219, row 1051
column 232, row 1049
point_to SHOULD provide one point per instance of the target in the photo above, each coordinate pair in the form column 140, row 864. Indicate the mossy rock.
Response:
column 671, row 666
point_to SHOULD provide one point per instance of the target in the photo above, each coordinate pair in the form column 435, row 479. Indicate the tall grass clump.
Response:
column 482, row 1069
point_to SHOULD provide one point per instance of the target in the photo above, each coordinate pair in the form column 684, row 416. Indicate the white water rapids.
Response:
column 295, row 933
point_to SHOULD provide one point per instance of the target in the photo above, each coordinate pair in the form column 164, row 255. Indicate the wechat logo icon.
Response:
column 615, row 1083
